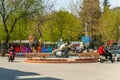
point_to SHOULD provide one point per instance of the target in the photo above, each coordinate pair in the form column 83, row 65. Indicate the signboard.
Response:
column 86, row 39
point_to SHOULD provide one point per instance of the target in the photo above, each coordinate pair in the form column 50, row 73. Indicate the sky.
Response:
column 65, row 3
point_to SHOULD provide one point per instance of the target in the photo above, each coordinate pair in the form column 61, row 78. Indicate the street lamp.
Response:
column 118, row 33
column 119, row 27
column 86, row 29
column 1, row 45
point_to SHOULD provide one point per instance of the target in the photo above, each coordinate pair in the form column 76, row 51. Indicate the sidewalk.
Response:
column 19, row 70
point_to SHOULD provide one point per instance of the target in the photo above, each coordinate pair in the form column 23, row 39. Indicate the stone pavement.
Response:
column 20, row 70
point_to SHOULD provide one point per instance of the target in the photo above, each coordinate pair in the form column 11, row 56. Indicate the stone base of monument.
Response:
column 61, row 60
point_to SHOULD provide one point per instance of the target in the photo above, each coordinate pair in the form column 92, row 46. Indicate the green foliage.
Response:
column 55, row 25
column 90, row 14
column 21, row 31
column 90, row 11
column 15, row 14
column 2, row 33
column 64, row 25
column 110, row 25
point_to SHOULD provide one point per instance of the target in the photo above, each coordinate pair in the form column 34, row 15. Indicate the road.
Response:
column 20, row 70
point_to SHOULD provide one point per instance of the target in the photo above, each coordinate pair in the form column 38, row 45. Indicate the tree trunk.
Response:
column 5, row 46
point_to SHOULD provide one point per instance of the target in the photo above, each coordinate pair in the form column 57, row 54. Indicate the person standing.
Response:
column 39, row 48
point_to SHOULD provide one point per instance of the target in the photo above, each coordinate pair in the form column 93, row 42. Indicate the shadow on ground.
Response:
column 10, row 74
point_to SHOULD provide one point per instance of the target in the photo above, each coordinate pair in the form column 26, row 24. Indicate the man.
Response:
column 108, row 53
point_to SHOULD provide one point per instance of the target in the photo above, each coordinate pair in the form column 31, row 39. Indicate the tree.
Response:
column 106, row 5
column 21, row 31
column 116, row 30
column 89, row 13
column 64, row 25
column 104, row 21
column 11, row 11
column 42, row 16
column 109, row 23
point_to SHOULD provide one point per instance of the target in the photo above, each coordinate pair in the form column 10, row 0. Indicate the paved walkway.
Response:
column 19, row 70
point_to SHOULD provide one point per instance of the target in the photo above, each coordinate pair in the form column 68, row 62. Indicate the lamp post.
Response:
column 118, row 33
column 1, row 45
column 86, row 29
column 86, row 34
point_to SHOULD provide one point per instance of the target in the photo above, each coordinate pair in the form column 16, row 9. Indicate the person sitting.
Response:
column 63, row 48
column 11, row 52
column 108, row 53
column 101, row 51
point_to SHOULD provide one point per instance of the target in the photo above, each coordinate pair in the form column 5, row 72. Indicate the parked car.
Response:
column 115, row 49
